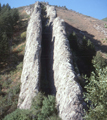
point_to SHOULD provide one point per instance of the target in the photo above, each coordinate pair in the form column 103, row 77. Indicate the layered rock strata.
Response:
column 31, row 68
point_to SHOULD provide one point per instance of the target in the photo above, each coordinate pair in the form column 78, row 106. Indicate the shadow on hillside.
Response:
column 83, row 59
column 80, row 34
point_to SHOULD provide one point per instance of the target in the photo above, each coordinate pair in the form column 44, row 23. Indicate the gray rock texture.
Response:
column 68, row 91
column 31, row 67
column 51, row 13
column 59, row 66
column 29, row 10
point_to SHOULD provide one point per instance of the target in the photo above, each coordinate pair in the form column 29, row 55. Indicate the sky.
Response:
column 93, row 8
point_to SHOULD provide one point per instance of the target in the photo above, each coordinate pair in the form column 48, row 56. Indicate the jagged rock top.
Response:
column 51, row 12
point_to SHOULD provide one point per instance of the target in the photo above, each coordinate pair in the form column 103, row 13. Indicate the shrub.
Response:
column 98, row 61
column 97, row 90
column 23, row 35
column 42, row 108
column 54, row 117
column 18, row 115
column 37, row 101
column 97, row 94
column 83, row 53
column 73, row 42
column 48, row 107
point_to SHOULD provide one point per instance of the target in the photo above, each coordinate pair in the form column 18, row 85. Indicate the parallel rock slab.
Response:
column 31, row 67
column 68, row 91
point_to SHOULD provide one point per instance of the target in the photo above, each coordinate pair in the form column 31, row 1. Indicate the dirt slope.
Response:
column 92, row 28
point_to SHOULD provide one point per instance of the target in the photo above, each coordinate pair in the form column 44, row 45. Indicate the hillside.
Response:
column 105, row 19
column 92, row 28
column 83, row 25
column 51, row 64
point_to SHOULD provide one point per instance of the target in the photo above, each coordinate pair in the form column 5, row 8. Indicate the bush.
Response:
column 97, row 90
column 42, row 108
column 48, row 107
column 37, row 101
column 23, row 35
column 8, row 100
column 98, row 61
column 83, row 53
column 18, row 115
column 73, row 42
column 8, row 19
column 97, row 94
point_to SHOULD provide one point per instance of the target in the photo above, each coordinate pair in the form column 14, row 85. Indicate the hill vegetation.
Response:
column 12, row 44
column 94, row 85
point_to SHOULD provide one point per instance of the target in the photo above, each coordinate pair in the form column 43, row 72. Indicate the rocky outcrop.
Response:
column 68, row 91
column 56, row 64
column 51, row 13
column 29, row 9
column 31, row 67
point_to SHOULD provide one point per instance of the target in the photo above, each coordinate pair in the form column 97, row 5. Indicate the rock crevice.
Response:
column 48, row 64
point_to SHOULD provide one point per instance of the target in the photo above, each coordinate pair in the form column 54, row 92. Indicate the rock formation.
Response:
column 29, row 9
column 56, row 63
column 68, row 91
column 51, row 13
column 31, row 67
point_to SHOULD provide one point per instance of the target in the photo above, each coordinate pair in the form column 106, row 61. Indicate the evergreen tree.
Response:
column 97, row 90
column 8, row 19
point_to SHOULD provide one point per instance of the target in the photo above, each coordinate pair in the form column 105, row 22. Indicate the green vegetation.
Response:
column 105, row 25
column 97, row 90
column 95, row 85
column 43, row 108
column 12, row 46
column 8, row 19
column 23, row 35
column 86, row 61
column 83, row 53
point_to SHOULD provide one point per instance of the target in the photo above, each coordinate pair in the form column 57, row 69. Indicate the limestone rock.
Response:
column 68, row 91
column 31, row 67
column 29, row 10
column 51, row 12
column 59, row 65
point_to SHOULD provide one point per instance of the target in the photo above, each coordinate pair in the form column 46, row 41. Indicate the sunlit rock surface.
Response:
column 31, row 67
column 68, row 91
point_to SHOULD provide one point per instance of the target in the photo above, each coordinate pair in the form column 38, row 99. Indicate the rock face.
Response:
column 58, row 65
column 31, row 67
column 68, row 91
column 51, row 13
column 29, row 10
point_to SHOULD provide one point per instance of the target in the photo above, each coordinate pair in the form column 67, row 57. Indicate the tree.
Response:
column 8, row 19
column 97, row 91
